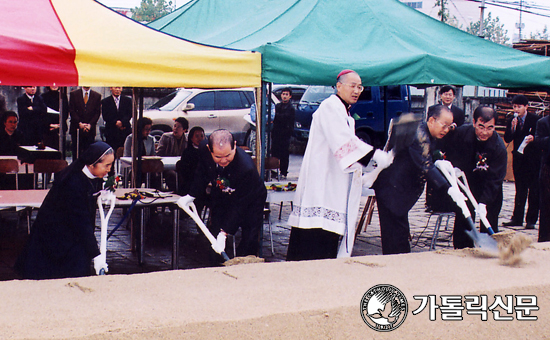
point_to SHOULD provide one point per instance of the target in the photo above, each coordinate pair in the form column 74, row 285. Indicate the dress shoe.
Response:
column 512, row 224
column 530, row 226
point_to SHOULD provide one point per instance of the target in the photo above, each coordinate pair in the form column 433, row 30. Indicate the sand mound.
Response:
column 286, row 300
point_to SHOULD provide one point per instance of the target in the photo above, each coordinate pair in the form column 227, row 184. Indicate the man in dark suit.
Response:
column 479, row 151
column 440, row 202
column 399, row 186
column 521, row 129
column 84, row 109
column 32, row 116
column 117, row 113
column 238, row 193
column 51, row 99
column 542, row 141
column 448, row 95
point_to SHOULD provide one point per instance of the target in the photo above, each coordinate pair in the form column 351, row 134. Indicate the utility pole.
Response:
column 520, row 25
column 481, row 19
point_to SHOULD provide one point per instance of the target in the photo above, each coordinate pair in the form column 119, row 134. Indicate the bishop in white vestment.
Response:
column 329, row 187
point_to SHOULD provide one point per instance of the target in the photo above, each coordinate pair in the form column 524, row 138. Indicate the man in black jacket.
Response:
column 521, row 129
column 32, row 113
column 542, row 141
column 84, row 110
column 399, row 186
column 237, row 195
column 480, row 153
column 283, row 127
column 117, row 113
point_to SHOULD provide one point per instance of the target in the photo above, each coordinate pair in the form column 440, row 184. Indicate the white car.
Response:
column 211, row 109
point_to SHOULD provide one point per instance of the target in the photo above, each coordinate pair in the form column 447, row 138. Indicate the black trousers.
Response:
column 460, row 238
column 395, row 231
column 312, row 244
column 250, row 224
column 544, row 223
column 280, row 149
column 526, row 176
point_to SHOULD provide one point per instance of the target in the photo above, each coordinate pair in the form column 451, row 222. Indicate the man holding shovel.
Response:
column 480, row 153
column 400, row 185
column 237, row 195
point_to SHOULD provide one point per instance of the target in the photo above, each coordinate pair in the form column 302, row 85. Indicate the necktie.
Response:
column 117, row 101
column 86, row 97
column 520, row 124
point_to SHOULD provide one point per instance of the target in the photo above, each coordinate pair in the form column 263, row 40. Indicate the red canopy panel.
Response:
column 34, row 48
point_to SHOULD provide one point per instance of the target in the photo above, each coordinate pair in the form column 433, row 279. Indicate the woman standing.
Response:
column 62, row 241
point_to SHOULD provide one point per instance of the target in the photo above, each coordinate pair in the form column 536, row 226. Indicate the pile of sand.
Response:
column 301, row 300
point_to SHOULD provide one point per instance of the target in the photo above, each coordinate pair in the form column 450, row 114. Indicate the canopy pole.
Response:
column 261, row 131
column 62, row 121
column 137, row 113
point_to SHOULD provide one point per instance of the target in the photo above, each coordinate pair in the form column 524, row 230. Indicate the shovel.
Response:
column 481, row 240
column 191, row 210
column 463, row 184
column 104, row 196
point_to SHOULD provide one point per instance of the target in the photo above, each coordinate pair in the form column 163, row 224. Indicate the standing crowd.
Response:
column 214, row 173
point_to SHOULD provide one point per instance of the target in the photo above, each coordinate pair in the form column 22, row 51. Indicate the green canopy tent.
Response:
column 385, row 41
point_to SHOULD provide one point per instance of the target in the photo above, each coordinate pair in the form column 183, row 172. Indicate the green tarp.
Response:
column 387, row 42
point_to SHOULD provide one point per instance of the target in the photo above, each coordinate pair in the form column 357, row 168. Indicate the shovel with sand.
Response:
column 217, row 244
column 481, row 240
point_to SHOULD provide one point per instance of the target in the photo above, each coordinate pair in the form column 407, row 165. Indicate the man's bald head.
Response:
column 222, row 147
column 220, row 138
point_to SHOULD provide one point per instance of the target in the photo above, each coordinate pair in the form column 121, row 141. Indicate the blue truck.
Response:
column 370, row 121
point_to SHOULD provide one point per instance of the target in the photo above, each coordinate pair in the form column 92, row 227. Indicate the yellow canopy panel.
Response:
column 113, row 50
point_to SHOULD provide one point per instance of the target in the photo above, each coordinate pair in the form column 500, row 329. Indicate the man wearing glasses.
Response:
column 480, row 152
column 400, row 185
column 329, row 187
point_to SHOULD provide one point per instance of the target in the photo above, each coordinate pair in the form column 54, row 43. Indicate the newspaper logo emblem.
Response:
column 384, row 308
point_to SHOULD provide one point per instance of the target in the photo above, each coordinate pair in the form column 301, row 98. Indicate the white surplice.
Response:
column 329, row 187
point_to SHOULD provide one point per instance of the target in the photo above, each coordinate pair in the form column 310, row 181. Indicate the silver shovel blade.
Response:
column 481, row 240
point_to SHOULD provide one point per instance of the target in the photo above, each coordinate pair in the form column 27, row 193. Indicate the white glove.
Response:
column 481, row 211
column 186, row 201
column 457, row 196
column 100, row 262
column 220, row 242
column 382, row 159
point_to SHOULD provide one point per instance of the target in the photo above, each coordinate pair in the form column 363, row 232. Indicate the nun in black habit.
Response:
column 62, row 241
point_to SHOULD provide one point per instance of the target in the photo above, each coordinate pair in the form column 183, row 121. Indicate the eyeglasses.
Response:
column 447, row 126
column 359, row 87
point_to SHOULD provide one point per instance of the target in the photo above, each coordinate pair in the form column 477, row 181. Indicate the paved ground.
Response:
column 194, row 249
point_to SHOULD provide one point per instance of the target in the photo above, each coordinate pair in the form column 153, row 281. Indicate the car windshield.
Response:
column 171, row 101
column 316, row 94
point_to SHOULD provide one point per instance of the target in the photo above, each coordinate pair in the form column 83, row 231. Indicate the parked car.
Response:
column 211, row 109
column 368, row 112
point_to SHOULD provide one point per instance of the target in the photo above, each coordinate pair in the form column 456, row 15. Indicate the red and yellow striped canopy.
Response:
column 81, row 42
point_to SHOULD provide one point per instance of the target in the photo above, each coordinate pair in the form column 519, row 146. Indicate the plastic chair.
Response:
column 47, row 167
column 8, row 166
column 149, row 166
column 272, row 164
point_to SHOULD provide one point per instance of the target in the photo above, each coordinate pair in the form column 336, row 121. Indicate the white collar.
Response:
column 87, row 172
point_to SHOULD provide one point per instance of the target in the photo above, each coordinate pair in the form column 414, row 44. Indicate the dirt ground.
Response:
column 300, row 300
